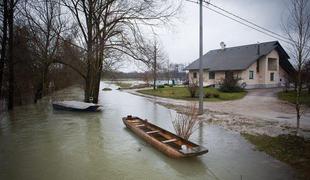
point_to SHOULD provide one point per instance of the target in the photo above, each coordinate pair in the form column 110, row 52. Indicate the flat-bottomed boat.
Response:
column 163, row 140
column 75, row 106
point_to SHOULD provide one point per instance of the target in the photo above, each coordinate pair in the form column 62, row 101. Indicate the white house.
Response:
column 257, row 65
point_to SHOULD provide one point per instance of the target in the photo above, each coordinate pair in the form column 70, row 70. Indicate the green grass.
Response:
column 183, row 93
column 290, row 149
column 291, row 95
column 123, row 84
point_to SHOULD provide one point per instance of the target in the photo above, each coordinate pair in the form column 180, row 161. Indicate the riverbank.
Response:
column 292, row 150
column 259, row 112
column 290, row 96
column 211, row 94
column 272, row 136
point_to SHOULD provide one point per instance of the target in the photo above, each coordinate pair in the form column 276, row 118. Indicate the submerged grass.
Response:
column 183, row 93
column 290, row 149
column 290, row 96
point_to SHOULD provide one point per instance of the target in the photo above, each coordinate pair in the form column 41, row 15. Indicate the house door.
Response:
column 229, row 75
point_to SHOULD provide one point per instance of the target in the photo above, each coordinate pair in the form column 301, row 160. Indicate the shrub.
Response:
column 161, row 86
column 230, row 84
column 192, row 89
column 185, row 82
column 187, row 122
column 216, row 95
column 208, row 95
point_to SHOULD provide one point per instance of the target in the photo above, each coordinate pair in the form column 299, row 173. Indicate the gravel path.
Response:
column 260, row 111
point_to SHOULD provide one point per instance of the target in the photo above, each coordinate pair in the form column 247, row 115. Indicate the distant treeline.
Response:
column 145, row 76
column 48, row 45
column 35, row 76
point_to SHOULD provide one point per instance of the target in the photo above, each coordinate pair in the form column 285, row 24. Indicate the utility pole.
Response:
column 200, row 111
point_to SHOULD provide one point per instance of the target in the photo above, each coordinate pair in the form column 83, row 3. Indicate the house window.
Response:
column 251, row 74
column 195, row 75
column 272, row 64
column 272, row 76
column 211, row 75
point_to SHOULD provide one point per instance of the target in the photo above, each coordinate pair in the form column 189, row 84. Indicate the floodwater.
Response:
column 37, row 142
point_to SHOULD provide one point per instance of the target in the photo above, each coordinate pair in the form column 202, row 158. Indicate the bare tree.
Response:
column 186, row 123
column 154, row 58
column 192, row 87
column 307, row 75
column 297, row 29
column 47, row 24
column 112, row 25
column 11, row 11
column 4, row 38
column 167, row 73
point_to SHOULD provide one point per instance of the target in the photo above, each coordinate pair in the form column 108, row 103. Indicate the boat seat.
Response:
column 169, row 140
column 134, row 121
column 140, row 125
column 152, row 132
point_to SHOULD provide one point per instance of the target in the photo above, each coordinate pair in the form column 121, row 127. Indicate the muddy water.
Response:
column 39, row 143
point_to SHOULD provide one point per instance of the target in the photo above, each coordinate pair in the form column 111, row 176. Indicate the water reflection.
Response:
column 39, row 143
column 200, row 132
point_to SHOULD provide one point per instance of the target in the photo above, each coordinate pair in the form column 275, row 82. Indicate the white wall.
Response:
column 261, row 78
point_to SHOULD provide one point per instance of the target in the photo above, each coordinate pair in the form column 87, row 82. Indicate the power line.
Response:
column 279, row 38
column 257, row 27
column 247, row 21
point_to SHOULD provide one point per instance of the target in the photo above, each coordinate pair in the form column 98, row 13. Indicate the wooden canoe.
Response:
column 163, row 140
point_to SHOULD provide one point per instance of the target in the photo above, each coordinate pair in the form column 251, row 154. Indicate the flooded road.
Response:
column 37, row 142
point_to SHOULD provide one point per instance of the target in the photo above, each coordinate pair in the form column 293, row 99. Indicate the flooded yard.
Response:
column 37, row 142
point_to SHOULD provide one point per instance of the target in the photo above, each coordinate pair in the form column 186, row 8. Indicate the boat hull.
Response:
column 64, row 108
column 164, row 148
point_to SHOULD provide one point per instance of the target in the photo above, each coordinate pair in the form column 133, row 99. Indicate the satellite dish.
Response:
column 223, row 45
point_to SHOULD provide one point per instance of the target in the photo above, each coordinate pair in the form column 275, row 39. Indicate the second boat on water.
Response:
column 163, row 140
column 75, row 106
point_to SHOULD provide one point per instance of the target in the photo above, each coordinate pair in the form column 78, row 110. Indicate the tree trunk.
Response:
column 92, row 87
column 297, row 106
column 87, row 88
column 154, row 82
column 97, row 87
column 4, row 42
column 10, row 56
column 42, row 88
column 298, row 93
column 88, row 96
column 45, row 80
column 155, row 68
column 38, row 93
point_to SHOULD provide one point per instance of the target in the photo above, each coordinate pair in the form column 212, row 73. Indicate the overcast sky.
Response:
column 181, row 41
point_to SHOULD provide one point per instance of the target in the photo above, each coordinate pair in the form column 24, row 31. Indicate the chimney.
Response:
column 258, row 48
column 223, row 45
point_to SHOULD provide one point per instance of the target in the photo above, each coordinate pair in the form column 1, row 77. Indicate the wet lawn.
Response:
column 290, row 149
column 291, row 95
column 183, row 93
